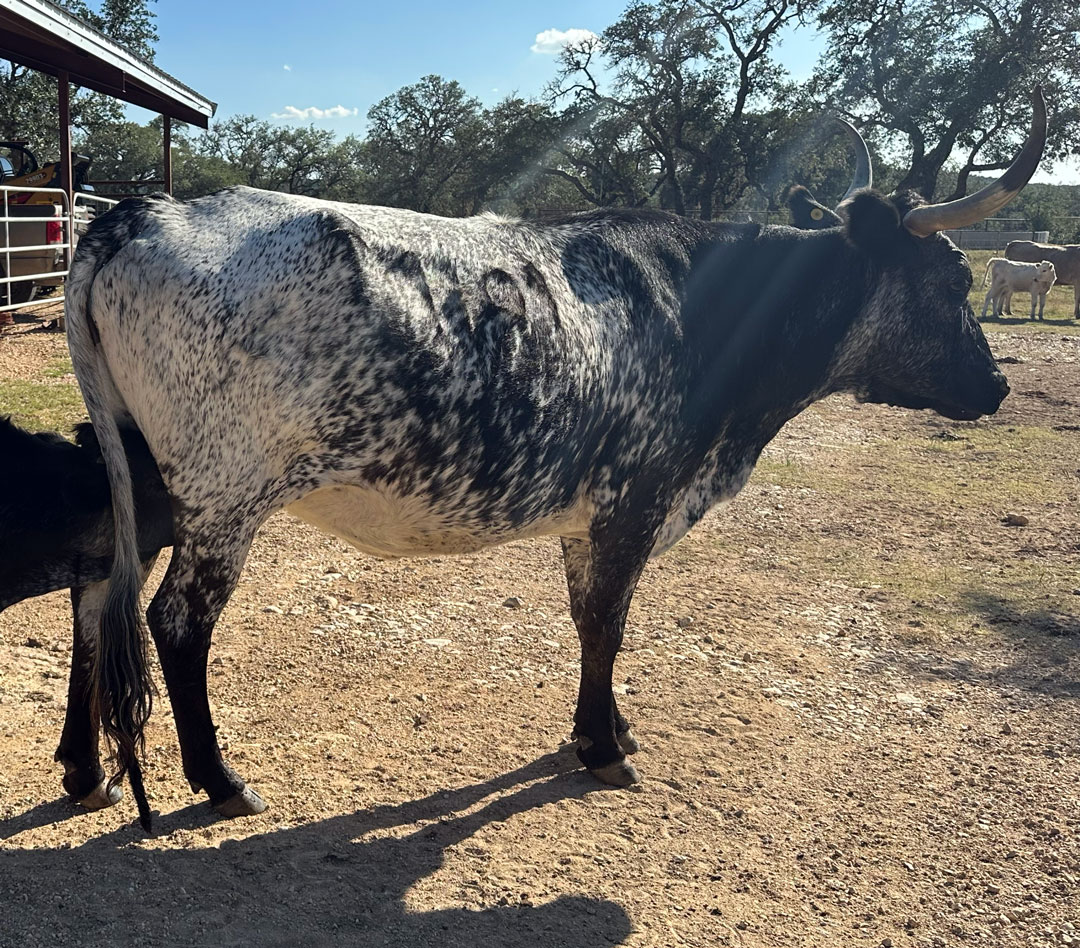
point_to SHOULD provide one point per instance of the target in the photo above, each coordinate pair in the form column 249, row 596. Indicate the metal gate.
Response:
column 38, row 241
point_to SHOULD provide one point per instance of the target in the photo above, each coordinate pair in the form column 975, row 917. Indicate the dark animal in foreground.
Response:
column 57, row 533
column 419, row 385
column 807, row 213
column 1066, row 261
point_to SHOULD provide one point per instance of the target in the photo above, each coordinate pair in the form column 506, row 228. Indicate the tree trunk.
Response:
column 923, row 175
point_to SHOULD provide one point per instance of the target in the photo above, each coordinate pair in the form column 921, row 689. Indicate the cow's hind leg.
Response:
column 1003, row 303
column 84, row 777
column 601, row 585
column 201, row 577
column 624, row 735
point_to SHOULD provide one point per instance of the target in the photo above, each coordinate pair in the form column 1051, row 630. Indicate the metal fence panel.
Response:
column 73, row 219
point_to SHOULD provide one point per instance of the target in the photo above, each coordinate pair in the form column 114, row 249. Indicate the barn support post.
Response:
column 66, row 181
column 167, row 126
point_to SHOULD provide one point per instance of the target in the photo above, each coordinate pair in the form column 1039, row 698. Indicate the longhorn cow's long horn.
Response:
column 931, row 218
column 864, row 173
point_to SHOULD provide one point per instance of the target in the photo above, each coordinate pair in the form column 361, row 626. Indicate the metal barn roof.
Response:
column 40, row 35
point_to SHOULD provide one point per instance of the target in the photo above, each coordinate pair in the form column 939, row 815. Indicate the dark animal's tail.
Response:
column 122, row 689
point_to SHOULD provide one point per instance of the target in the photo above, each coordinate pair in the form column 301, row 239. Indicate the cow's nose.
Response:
column 1002, row 383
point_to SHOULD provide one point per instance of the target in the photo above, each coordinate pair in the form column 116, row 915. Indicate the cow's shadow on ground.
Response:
column 1045, row 640
column 1024, row 319
column 339, row 881
column 1037, row 624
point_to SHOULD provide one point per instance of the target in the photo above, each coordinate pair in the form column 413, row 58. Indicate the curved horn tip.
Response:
column 1038, row 104
column 864, row 170
column 932, row 218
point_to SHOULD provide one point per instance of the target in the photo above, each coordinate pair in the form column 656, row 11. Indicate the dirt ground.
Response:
column 856, row 690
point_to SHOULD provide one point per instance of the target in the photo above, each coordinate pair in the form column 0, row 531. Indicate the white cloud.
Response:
column 551, row 42
column 287, row 67
column 311, row 113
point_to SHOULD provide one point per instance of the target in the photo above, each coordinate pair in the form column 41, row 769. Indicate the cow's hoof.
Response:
column 619, row 773
column 101, row 796
column 245, row 803
column 628, row 742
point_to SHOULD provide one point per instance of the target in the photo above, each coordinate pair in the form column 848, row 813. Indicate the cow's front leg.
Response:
column 182, row 615
column 84, row 777
column 601, row 586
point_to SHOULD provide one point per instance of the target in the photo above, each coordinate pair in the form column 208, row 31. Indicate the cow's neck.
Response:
column 769, row 343
column 760, row 363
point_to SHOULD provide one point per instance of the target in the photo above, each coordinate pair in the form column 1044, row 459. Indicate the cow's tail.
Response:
column 122, row 688
column 986, row 275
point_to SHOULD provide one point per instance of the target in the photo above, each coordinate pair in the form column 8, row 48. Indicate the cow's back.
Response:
column 1066, row 259
column 270, row 340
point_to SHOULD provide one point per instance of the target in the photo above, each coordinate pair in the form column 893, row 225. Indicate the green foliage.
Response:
column 28, row 99
column 941, row 77
column 123, row 151
column 681, row 104
column 298, row 160
column 421, row 143
column 678, row 115
column 510, row 172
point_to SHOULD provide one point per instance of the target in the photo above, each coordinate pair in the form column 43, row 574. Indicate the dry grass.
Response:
column 940, row 494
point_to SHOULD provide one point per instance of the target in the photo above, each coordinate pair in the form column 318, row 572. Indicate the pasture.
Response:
column 856, row 689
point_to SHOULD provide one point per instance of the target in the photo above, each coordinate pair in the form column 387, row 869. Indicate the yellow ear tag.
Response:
column 817, row 213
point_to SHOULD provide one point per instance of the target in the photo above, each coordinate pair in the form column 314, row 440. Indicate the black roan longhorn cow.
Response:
column 419, row 385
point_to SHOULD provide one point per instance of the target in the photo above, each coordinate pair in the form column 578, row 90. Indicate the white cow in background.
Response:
column 1066, row 260
column 1007, row 277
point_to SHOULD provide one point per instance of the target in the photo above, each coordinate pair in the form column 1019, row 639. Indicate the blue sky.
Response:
column 340, row 58
column 353, row 54
column 265, row 58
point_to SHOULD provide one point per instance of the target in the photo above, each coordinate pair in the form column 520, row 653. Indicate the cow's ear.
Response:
column 873, row 224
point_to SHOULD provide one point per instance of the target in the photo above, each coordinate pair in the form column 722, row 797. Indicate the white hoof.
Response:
column 246, row 803
column 628, row 742
column 621, row 773
column 101, row 796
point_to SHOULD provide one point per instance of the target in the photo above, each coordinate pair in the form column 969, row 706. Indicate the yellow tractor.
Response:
column 20, row 169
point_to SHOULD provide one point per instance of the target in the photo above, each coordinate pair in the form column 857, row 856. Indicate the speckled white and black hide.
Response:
column 419, row 385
